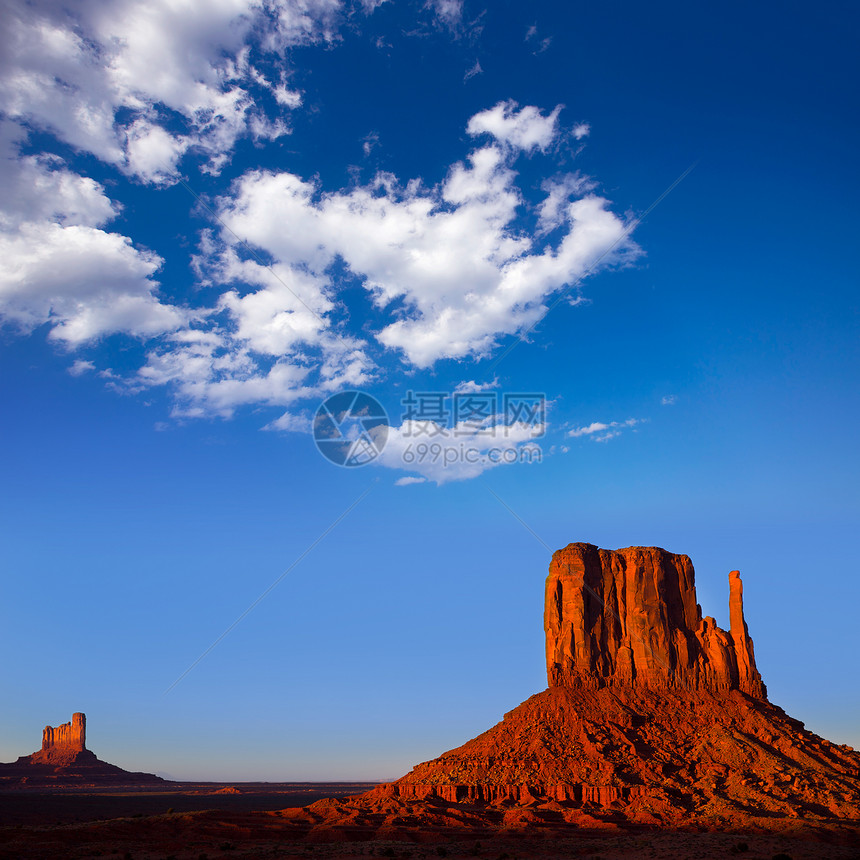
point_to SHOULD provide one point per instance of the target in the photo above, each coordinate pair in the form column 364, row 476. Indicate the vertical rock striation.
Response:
column 71, row 737
column 629, row 617
column 64, row 744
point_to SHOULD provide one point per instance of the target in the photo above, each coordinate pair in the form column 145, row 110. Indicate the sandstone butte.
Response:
column 654, row 716
column 65, row 760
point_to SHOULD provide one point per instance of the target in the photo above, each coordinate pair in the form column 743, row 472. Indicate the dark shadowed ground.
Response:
column 217, row 821
column 39, row 807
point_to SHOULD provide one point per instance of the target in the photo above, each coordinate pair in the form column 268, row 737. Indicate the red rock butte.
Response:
column 61, row 745
column 65, row 760
column 654, row 716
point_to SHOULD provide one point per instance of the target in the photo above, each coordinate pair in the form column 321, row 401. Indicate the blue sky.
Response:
column 218, row 216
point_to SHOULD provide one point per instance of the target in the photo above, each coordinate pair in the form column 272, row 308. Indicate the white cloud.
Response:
column 59, row 267
column 449, row 268
column 458, row 453
column 472, row 387
column 80, row 367
column 115, row 78
column 82, row 281
column 595, row 427
column 292, row 422
column 139, row 84
column 448, row 13
column 212, row 376
column 407, row 480
column 526, row 129
column 581, row 130
column 603, row 431
column 552, row 212
column 447, row 257
column 151, row 152
column 41, row 188
column 287, row 97
column 370, row 142
column 473, row 71
column 668, row 400
column 532, row 35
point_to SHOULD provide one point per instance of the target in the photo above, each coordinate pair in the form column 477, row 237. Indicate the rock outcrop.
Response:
column 61, row 745
column 629, row 617
column 654, row 716
column 65, row 760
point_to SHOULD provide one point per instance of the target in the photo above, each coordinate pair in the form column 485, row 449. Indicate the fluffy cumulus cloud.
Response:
column 452, row 265
column 522, row 128
column 139, row 82
column 60, row 267
column 447, row 271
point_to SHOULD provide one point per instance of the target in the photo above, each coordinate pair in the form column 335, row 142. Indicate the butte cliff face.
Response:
column 629, row 618
column 62, row 745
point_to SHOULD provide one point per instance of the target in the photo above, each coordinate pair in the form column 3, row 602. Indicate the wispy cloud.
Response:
column 370, row 142
column 447, row 13
column 600, row 431
column 472, row 387
column 541, row 43
column 409, row 479
column 473, row 71
column 80, row 367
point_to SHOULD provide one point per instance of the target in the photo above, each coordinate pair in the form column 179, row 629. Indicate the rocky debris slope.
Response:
column 652, row 757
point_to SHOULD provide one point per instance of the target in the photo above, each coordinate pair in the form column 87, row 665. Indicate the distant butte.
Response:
column 65, row 744
column 65, row 760
column 654, row 716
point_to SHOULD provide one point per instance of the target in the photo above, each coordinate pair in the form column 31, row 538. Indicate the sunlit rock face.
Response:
column 61, row 744
column 629, row 617
column 654, row 716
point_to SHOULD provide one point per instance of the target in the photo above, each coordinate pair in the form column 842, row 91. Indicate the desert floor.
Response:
column 207, row 821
